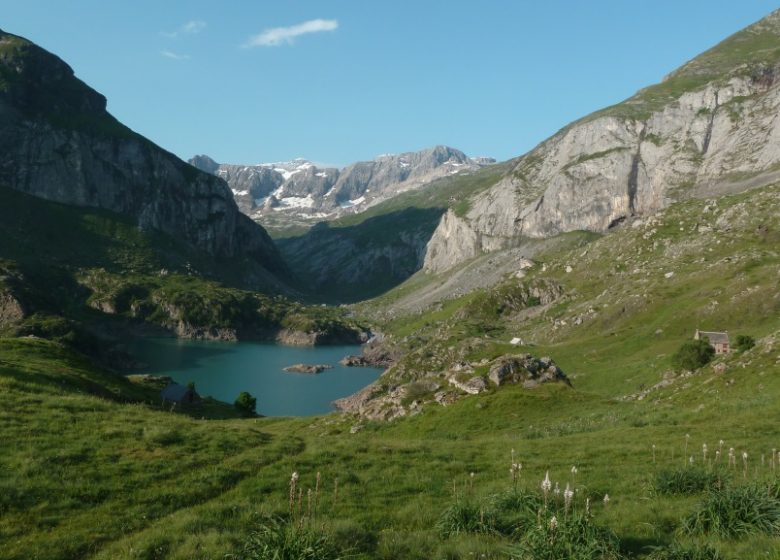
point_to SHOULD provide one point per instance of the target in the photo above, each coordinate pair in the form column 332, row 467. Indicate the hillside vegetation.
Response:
column 77, row 275
column 93, row 468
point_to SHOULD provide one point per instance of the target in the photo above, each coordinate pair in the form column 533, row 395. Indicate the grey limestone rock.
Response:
column 631, row 160
column 58, row 142
column 525, row 369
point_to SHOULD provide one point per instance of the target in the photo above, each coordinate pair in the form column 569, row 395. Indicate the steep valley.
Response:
column 535, row 319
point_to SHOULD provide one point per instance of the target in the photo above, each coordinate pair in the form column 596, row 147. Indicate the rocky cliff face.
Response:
column 301, row 190
column 58, row 142
column 711, row 127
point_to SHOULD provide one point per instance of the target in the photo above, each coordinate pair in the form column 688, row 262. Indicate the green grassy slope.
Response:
column 90, row 467
column 89, row 476
column 620, row 315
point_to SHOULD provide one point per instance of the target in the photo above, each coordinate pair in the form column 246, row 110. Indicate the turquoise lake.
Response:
column 223, row 369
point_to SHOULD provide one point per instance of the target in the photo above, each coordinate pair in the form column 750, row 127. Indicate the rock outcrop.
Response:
column 376, row 353
column 525, row 369
column 383, row 401
column 11, row 310
column 711, row 127
column 58, row 142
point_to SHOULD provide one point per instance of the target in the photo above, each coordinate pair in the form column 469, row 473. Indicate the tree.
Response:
column 745, row 342
column 693, row 355
column 246, row 403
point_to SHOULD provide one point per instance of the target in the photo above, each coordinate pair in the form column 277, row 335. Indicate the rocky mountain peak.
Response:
column 301, row 191
column 204, row 163
column 58, row 142
column 38, row 82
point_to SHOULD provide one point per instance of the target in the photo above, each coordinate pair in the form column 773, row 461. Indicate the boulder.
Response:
column 525, row 369
column 11, row 310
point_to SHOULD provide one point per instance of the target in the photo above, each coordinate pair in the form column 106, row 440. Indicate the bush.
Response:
column 514, row 511
column 737, row 511
column 683, row 481
column 465, row 517
column 573, row 538
column 275, row 539
column 693, row 354
column 246, row 403
column 745, row 342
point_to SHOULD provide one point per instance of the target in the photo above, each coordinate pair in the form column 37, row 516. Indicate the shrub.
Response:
column 465, row 517
column 737, row 511
column 685, row 481
column 514, row 511
column 744, row 342
column 693, row 354
column 679, row 552
column 275, row 539
column 573, row 538
column 246, row 403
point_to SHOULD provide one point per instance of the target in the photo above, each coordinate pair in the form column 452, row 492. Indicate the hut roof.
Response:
column 714, row 337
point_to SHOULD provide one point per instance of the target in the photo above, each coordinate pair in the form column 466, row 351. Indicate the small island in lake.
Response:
column 312, row 369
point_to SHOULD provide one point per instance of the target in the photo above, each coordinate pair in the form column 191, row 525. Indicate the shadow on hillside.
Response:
column 349, row 260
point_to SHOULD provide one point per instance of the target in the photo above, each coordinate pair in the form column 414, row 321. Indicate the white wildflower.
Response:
column 546, row 484
column 568, row 494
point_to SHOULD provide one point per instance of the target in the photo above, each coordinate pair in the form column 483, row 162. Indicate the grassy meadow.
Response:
column 92, row 466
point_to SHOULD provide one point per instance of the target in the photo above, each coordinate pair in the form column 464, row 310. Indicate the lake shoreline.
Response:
column 223, row 369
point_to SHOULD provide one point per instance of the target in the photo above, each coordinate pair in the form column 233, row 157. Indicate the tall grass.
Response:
column 676, row 551
column 277, row 539
column 685, row 481
column 737, row 511
column 572, row 538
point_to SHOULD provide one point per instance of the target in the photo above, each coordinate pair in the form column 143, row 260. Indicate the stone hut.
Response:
column 718, row 340
column 179, row 394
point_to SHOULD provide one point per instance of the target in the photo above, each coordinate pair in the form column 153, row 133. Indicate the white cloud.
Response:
column 286, row 35
column 174, row 56
column 192, row 27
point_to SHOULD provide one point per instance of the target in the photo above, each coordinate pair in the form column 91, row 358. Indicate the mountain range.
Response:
column 299, row 191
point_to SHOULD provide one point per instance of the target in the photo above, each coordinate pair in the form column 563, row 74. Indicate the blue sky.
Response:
column 341, row 81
